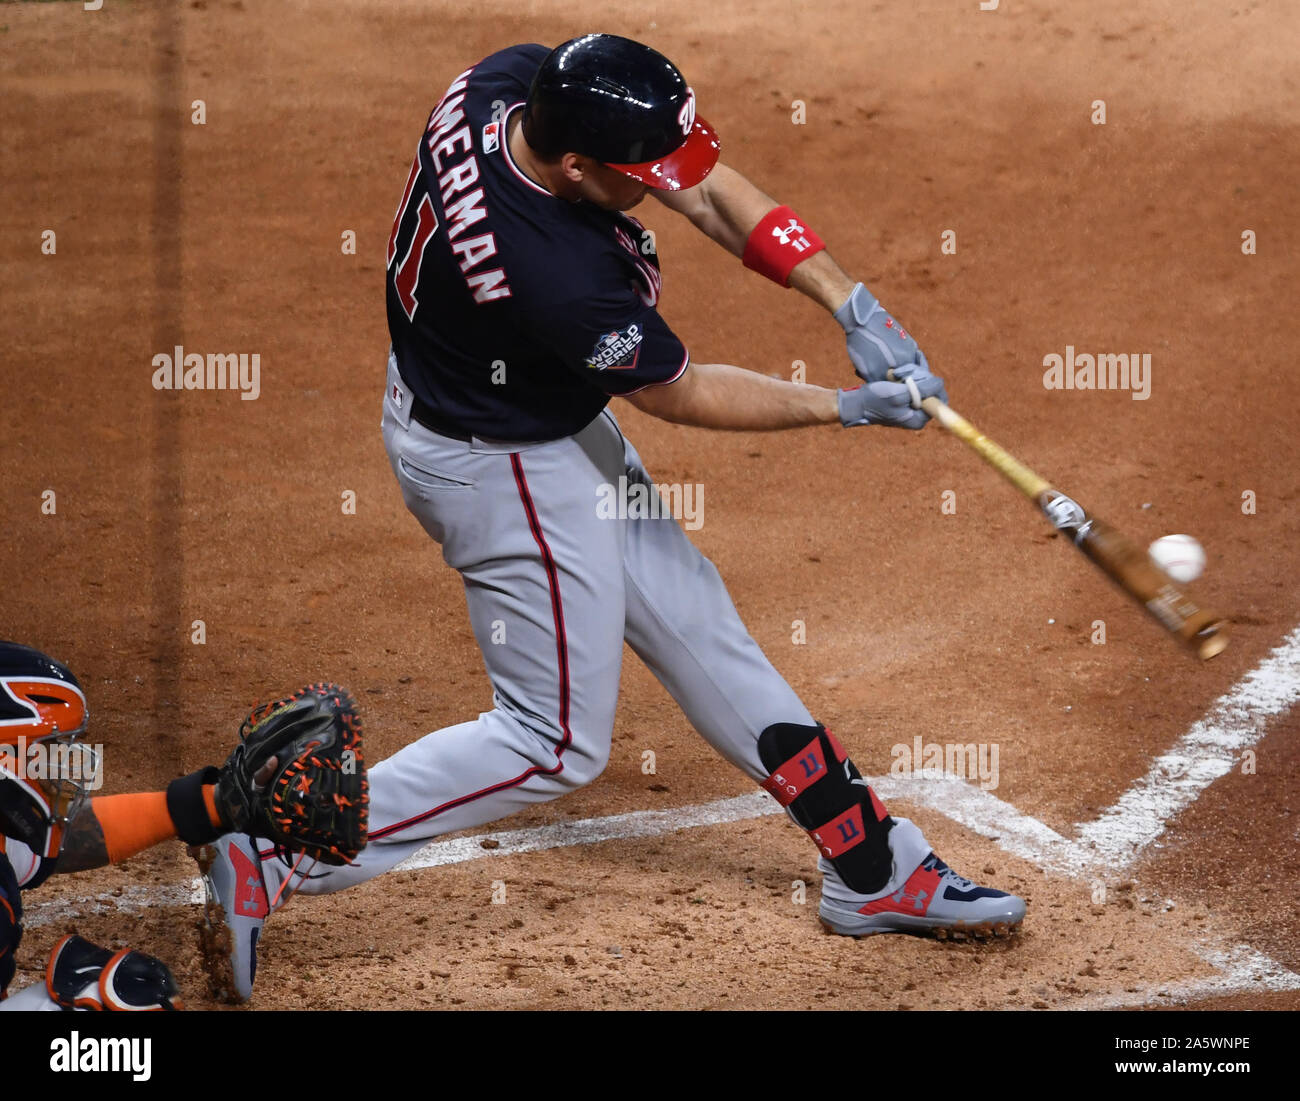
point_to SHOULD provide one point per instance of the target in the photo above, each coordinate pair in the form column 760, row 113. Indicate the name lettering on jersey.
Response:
column 457, row 178
column 447, row 146
column 617, row 350
column 465, row 211
column 487, row 285
column 651, row 281
column 451, row 148
column 474, row 250
column 446, row 112
column 625, row 239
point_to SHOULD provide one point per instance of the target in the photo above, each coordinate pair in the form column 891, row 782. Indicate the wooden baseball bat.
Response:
column 1204, row 631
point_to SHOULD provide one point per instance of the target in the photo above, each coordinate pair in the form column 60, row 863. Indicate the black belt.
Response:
column 424, row 415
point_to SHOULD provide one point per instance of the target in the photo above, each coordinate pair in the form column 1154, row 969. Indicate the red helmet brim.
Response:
column 684, row 167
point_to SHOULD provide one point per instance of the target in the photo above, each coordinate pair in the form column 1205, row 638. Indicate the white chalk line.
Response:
column 1241, row 970
column 1210, row 749
column 1110, row 844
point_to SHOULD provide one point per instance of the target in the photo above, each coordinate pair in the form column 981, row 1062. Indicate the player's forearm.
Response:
column 823, row 280
column 112, row 828
column 718, row 395
column 730, row 208
column 733, row 206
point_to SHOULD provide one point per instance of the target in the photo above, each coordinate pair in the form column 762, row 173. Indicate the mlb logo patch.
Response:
column 491, row 137
column 397, row 395
column 617, row 350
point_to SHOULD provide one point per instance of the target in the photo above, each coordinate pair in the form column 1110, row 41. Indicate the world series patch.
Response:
column 617, row 350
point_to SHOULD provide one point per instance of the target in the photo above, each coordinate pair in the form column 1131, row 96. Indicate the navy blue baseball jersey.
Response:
column 515, row 314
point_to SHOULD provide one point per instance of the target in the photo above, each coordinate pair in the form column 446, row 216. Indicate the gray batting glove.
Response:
column 919, row 370
column 888, row 403
column 877, row 343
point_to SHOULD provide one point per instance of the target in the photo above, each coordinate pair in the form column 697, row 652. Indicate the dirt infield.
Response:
column 965, row 626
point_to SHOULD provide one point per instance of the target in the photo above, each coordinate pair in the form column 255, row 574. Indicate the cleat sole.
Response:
column 977, row 931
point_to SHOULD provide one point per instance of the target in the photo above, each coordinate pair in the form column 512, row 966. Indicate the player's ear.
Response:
column 574, row 166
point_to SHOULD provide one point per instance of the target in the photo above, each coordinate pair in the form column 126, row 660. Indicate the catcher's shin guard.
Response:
column 811, row 775
column 81, row 975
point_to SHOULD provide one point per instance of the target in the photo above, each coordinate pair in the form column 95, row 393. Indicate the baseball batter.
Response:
column 521, row 298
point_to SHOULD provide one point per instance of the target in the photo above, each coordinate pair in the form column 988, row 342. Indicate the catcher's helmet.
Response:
column 623, row 104
column 42, row 704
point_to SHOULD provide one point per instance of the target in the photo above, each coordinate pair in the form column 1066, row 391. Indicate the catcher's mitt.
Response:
column 317, row 799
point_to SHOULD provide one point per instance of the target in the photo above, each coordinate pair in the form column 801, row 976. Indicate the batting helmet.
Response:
column 42, row 713
column 623, row 104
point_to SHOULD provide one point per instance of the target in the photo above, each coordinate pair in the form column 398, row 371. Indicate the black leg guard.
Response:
column 82, row 975
column 812, row 777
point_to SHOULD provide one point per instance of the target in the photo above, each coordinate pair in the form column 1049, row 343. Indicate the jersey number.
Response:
column 406, row 276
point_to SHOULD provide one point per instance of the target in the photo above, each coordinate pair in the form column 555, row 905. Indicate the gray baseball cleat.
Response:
column 235, row 907
column 929, row 899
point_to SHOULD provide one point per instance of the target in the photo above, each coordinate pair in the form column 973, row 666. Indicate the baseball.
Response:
column 1180, row 556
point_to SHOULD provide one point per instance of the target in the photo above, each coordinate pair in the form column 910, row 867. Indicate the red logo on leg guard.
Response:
column 797, row 774
column 840, row 834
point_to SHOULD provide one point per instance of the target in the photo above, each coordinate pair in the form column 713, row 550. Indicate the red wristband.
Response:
column 779, row 242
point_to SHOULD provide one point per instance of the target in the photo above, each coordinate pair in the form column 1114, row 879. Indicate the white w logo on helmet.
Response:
column 686, row 116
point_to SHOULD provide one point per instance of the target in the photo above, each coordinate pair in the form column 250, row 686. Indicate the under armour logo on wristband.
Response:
column 787, row 235
column 778, row 244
